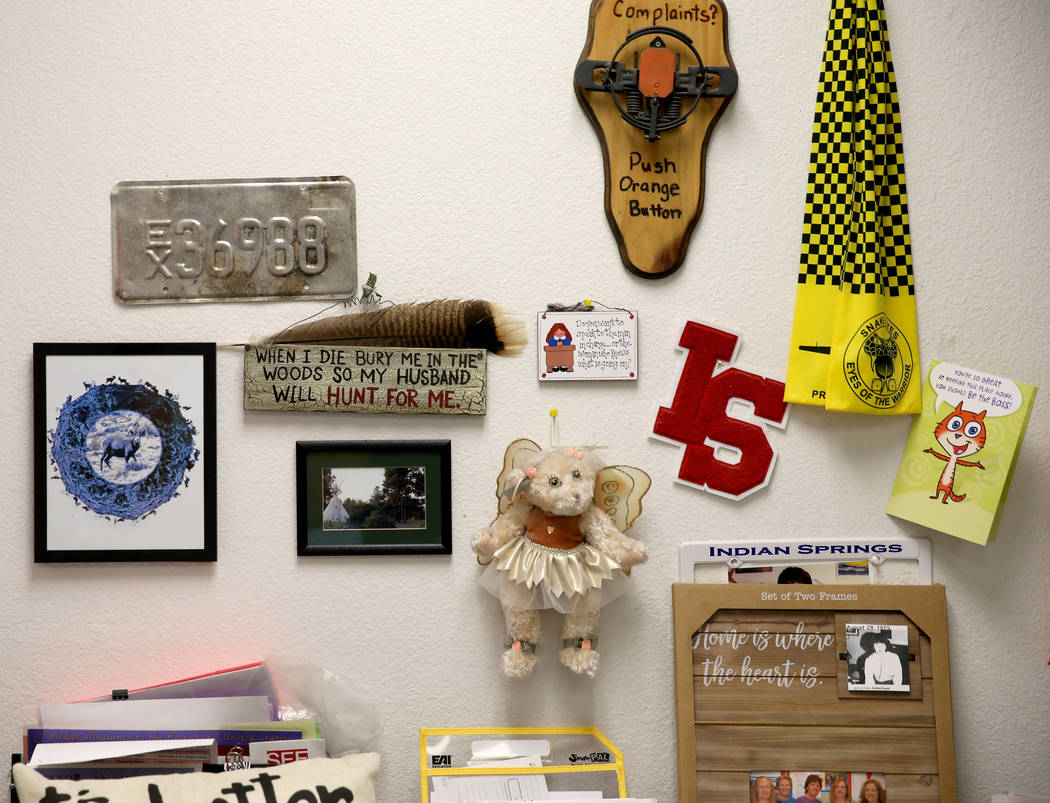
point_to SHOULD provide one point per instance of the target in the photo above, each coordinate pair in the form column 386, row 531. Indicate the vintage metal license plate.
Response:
column 235, row 240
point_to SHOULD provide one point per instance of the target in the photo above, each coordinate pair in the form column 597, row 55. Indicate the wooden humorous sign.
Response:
column 654, row 77
column 364, row 379
column 839, row 683
column 597, row 344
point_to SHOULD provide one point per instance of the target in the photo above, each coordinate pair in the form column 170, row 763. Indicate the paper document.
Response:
column 308, row 727
column 498, row 749
column 159, row 751
column 239, row 681
column 520, row 761
column 204, row 712
column 459, row 789
column 284, row 751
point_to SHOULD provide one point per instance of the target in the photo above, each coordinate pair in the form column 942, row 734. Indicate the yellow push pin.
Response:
column 554, row 427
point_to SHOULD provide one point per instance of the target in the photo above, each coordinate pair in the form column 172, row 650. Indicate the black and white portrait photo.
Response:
column 878, row 657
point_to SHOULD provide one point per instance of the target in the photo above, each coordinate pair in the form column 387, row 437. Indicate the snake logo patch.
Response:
column 878, row 362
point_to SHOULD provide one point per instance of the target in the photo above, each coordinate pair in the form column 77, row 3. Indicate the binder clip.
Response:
column 236, row 760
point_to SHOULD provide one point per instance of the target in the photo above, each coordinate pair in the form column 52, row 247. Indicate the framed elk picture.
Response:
column 124, row 451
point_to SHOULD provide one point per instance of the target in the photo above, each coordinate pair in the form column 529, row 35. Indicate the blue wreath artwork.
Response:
column 123, row 450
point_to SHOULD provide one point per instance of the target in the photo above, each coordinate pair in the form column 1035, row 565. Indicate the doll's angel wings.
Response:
column 619, row 491
column 518, row 457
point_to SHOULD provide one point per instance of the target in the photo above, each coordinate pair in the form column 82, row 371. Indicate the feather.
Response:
column 446, row 323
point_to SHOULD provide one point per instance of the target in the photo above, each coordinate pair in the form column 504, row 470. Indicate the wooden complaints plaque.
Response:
column 762, row 683
column 364, row 379
column 654, row 189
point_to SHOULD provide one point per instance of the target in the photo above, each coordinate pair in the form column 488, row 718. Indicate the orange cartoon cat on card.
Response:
column 960, row 434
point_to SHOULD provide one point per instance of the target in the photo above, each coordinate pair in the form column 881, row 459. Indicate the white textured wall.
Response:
column 482, row 177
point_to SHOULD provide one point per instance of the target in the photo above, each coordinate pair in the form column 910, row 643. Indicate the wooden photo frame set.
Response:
column 761, row 683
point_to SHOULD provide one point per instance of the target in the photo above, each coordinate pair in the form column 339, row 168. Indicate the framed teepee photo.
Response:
column 374, row 497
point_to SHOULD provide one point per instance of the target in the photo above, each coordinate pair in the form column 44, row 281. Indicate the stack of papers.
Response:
column 463, row 788
column 249, row 680
column 174, row 727
column 181, row 712
column 493, row 765
column 169, row 752
column 509, row 789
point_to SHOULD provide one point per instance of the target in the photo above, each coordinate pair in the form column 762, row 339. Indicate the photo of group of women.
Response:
column 828, row 787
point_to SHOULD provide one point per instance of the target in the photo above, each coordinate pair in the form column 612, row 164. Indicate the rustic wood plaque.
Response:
column 761, row 683
column 364, row 379
column 654, row 190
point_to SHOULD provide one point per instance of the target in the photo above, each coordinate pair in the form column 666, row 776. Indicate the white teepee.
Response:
column 335, row 513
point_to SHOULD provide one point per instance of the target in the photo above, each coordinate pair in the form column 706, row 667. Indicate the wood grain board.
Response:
column 732, row 723
column 884, row 749
column 798, row 705
column 653, row 190
column 364, row 379
column 725, row 631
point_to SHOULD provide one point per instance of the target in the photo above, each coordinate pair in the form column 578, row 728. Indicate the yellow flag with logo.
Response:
column 854, row 342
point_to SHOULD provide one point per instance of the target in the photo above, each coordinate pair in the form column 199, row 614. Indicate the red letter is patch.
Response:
column 699, row 416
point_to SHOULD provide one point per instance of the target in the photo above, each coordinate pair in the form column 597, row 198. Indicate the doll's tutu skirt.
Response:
column 526, row 575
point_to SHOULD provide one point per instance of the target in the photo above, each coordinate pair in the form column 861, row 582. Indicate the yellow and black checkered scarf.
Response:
column 854, row 343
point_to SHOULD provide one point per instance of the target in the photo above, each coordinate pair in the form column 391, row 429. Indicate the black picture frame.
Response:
column 124, row 452
column 424, row 521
